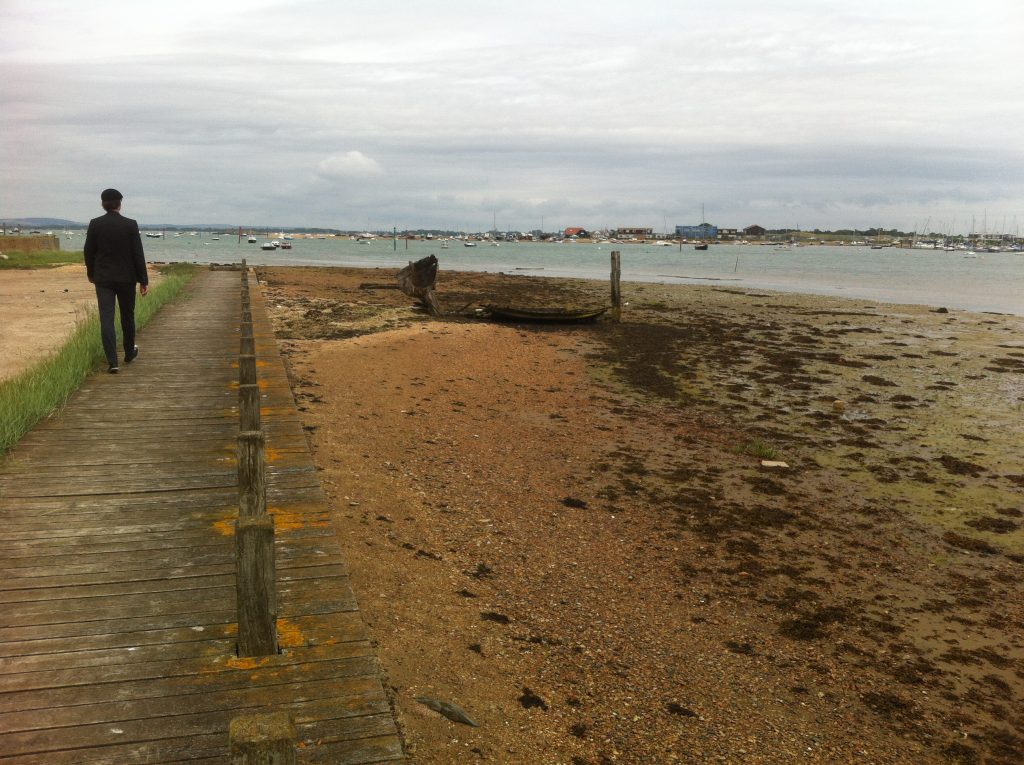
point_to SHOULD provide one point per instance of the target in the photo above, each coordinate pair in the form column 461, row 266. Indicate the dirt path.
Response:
column 568, row 532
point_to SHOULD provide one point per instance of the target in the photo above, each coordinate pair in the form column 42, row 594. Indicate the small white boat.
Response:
column 153, row 235
column 469, row 244
column 251, row 240
column 268, row 246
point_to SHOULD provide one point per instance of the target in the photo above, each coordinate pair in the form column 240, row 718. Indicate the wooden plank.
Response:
column 202, row 599
column 140, row 719
column 194, row 641
column 155, row 584
column 48, row 691
column 118, row 639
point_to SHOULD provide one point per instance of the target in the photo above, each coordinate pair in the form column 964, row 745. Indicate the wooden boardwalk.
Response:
column 117, row 593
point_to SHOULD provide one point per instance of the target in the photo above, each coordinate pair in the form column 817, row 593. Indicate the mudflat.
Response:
column 580, row 535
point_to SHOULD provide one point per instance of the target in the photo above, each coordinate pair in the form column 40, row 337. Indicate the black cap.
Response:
column 111, row 195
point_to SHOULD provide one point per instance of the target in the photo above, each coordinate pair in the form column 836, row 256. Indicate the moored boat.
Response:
column 559, row 315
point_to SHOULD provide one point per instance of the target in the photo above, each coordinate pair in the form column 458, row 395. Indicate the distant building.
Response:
column 639, row 233
column 700, row 231
column 576, row 231
column 754, row 231
column 727, row 233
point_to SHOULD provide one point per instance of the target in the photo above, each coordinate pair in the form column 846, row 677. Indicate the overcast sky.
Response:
column 456, row 113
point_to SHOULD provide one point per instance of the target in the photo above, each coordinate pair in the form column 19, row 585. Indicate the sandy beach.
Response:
column 39, row 309
column 571, row 532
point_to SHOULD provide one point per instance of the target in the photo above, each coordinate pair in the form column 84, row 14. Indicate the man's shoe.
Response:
column 113, row 369
column 129, row 356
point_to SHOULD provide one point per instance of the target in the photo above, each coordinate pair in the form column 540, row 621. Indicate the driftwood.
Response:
column 418, row 279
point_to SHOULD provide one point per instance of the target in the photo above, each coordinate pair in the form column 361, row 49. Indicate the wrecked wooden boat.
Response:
column 418, row 280
column 550, row 315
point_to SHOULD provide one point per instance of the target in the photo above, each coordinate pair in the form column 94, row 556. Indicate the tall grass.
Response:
column 27, row 398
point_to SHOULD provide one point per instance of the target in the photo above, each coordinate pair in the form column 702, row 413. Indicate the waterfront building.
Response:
column 700, row 231
column 637, row 233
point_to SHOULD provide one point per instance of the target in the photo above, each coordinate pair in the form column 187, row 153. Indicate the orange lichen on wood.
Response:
column 289, row 635
column 248, row 662
column 225, row 527
column 286, row 520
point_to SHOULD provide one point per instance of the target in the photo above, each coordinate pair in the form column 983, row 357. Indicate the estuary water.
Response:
column 985, row 282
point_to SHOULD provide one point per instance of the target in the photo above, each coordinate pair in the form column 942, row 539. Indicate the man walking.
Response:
column 115, row 262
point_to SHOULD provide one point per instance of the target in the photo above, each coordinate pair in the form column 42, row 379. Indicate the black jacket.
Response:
column 113, row 250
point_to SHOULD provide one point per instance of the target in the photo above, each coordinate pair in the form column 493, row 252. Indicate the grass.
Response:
column 758, row 448
column 40, row 259
column 42, row 389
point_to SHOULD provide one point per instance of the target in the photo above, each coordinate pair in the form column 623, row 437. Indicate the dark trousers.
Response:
column 124, row 294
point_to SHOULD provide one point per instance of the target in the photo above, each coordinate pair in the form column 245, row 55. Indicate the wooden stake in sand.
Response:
column 616, row 287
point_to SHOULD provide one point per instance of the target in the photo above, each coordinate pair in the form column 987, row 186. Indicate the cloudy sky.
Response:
column 455, row 114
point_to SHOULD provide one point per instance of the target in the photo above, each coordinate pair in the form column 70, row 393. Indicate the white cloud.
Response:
column 351, row 164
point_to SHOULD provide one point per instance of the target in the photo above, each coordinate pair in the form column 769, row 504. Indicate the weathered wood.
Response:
column 616, row 285
column 252, row 473
column 247, row 369
column 257, row 586
column 247, row 345
column 249, row 406
column 117, row 567
column 418, row 280
column 263, row 739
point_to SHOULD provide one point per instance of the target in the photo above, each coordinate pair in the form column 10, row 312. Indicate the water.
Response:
column 986, row 282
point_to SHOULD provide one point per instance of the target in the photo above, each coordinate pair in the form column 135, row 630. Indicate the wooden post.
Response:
column 249, row 407
column 246, row 369
column 252, row 478
column 247, row 346
column 263, row 739
column 616, row 287
column 255, row 586
column 246, row 315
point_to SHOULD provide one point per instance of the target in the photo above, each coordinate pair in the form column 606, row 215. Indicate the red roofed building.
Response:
column 575, row 231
